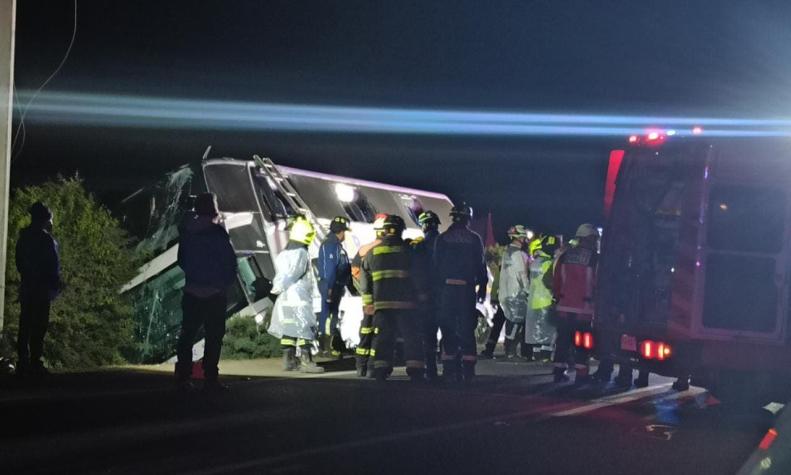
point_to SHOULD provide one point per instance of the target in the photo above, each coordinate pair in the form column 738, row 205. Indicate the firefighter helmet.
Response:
column 427, row 218
column 394, row 225
column 338, row 224
column 517, row 231
column 461, row 212
column 587, row 230
column 302, row 231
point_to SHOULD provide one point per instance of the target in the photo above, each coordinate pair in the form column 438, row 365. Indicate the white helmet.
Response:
column 587, row 230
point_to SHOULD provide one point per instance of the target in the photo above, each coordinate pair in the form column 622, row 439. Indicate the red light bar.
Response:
column 578, row 338
column 768, row 439
column 587, row 340
column 647, row 349
column 658, row 350
column 632, row 139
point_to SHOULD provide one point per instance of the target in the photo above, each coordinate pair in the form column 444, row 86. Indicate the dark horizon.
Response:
column 678, row 59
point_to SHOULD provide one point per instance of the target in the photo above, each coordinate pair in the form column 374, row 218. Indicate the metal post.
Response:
column 7, row 24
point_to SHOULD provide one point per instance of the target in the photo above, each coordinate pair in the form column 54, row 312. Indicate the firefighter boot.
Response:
column 381, row 374
column 468, row 371
column 290, row 359
column 450, row 371
column 431, row 366
column 361, row 364
column 681, row 384
column 416, row 375
column 306, row 363
column 582, row 375
column 642, row 379
column 624, row 377
column 371, row 370
column 510, row 350
column 559, row 374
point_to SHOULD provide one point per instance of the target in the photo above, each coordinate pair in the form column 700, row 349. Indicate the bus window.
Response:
column 746, row 218
column 274, row 203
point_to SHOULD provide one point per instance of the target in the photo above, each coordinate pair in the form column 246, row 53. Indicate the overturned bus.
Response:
column 695, row 268
column 256, row 198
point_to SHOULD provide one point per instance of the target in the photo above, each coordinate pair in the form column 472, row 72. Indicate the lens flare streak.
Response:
column 81, row 109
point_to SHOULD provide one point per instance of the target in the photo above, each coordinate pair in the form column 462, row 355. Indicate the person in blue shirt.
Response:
column 334, row 271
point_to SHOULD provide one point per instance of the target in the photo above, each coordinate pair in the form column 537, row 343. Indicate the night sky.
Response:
column 699, row 58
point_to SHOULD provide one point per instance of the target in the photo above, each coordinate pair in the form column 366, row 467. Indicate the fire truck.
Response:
column 693, row 280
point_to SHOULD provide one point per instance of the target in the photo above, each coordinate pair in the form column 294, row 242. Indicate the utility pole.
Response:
column 7, row 26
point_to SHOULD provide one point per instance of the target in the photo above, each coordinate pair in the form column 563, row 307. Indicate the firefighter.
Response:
column 458, row 268
column 498, row 321
column 429, row 223
column 574, row 281
column 390, row 280
column 513, row 290
column 293, row 320
column 365, row 350
column 334, row 273
column 539, row 333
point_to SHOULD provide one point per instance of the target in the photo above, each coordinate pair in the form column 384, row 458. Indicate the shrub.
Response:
column 245, row 339
column 90, row 323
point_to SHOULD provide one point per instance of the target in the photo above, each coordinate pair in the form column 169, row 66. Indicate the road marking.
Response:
column 614, row 400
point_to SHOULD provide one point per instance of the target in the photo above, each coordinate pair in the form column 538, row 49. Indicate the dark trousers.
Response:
column 208, row 312
column 565, row 351
column 33, row 323
column 457, row 320
column 388, row 323
column 430, row 328
column 328, row 318
column 497, row 327
column 365, row 349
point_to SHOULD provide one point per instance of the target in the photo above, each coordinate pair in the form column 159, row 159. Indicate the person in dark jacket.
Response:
column 209, row 263
column 459, row 268
column 390, row 283
column 424, row 249
column 38, row 264
column 334, row 273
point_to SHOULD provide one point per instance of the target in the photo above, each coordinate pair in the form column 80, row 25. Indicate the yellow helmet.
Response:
column 302, row 231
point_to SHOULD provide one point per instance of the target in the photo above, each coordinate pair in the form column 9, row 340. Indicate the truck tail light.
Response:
column 583, row 340
column 655, row 350
column 768, row 439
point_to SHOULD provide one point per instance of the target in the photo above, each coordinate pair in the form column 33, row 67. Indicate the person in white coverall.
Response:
column 513, row 290
column 293, row 320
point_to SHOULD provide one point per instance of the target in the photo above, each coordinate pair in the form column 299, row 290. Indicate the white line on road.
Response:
column 613, row 400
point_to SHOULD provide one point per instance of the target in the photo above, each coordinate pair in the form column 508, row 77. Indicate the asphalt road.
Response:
column 513, row 419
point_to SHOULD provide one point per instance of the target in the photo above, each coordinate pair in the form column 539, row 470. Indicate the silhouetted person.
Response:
column 209, row 264
column 39, row 266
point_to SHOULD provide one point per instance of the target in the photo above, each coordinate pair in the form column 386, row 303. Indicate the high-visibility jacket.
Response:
column 575, row 280
column 390, row 276
column 540, row 295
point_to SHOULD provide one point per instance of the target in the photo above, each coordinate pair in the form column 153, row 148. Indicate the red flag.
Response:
column 490, row 240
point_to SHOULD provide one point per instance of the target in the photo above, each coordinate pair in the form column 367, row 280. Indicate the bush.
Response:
column 90, row 323
column 245, row 339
